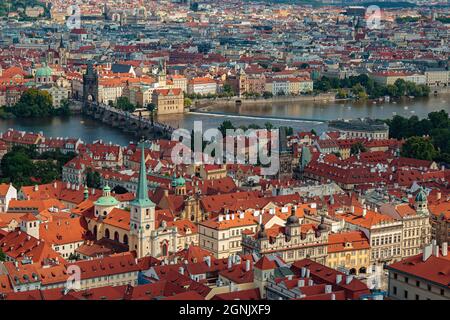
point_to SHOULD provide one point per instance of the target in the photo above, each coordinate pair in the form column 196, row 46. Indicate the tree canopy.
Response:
column 33, row 103
column 24, row 166
column 436, row 126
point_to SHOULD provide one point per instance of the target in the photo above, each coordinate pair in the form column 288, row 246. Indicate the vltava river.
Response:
column 287, row 114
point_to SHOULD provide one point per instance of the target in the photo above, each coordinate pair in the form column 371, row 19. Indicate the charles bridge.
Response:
column 127, row 121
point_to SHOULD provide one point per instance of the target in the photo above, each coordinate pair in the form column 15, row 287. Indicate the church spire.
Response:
column 142, row 198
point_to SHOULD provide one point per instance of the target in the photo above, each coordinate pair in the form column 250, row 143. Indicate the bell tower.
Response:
column 142, row 215
column 421, row 203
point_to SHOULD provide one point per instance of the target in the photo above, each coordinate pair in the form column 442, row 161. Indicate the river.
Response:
column 293, row 114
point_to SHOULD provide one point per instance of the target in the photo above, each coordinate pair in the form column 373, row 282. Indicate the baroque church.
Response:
column 136, row 228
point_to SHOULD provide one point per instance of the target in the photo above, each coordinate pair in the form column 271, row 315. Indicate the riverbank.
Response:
column 205, row 103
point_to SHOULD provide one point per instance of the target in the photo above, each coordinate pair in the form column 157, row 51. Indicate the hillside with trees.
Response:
column 427, row 139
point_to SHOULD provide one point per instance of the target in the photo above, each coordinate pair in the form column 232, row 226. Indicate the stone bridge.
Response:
column 128, row 122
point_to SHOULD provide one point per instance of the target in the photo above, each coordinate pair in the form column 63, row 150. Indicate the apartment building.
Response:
column 222, row 235
column 416, row 223
column 291, row 240
column 202, row 86
column 349, row 250
column 384, row 233
column 421, row 277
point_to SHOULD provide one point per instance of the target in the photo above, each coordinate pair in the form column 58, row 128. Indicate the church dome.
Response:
column 178, row 182
column 107, row 200
column 421, row 196
column 181, row 181
column 44, row 72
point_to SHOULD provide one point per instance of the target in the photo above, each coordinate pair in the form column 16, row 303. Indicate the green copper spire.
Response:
column 142, row 199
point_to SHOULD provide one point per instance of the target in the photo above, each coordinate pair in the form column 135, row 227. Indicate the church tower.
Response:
column 162, row 75
column 421, row 203
column 285, row 172
column 142, row 215
column 63, row 55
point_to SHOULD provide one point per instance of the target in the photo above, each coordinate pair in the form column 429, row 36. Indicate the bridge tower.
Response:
column 90, row 85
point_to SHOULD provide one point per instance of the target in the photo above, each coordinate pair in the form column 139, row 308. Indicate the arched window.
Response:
column 116, row 236
column 164, row 249
column 107, row 233
column 125, row 239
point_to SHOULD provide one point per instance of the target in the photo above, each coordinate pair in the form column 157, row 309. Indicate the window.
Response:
column 395, row 276
column 442, row 292
column 406, row 294
column 417, row 297
column 406, row 279
column 417, row 283
column 394, row 289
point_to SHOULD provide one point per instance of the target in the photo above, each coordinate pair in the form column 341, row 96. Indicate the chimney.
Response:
column 247, row 265
column 436, row 251
column 310, row 282
column 36, row 187
column 55, row 185
column 338, row 278
column 230, row 262
column 308, row 272
column 303, row 270
column 427, row 252
column 328, row 288
column 438, row 196
column 352, row 209
column 181, row 270
column 348, row 279
column 300, row 283
column 208, row 260
column 364, row 213
column 444, row 249
column 333, row 296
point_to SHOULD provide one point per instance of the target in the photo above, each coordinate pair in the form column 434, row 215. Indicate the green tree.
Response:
column 46, row 171
column 357, row 148
column 419, row 148
column 2, row 256
column 17, row 166
column 267, row 94
column 268, row 126
column 64, row 110
column 401, row 87
column 93, row 179
column 33, row 103
column 124, row 104
column 225, row 126
column 439, row 119
column 228, row 90
column 187, row 102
